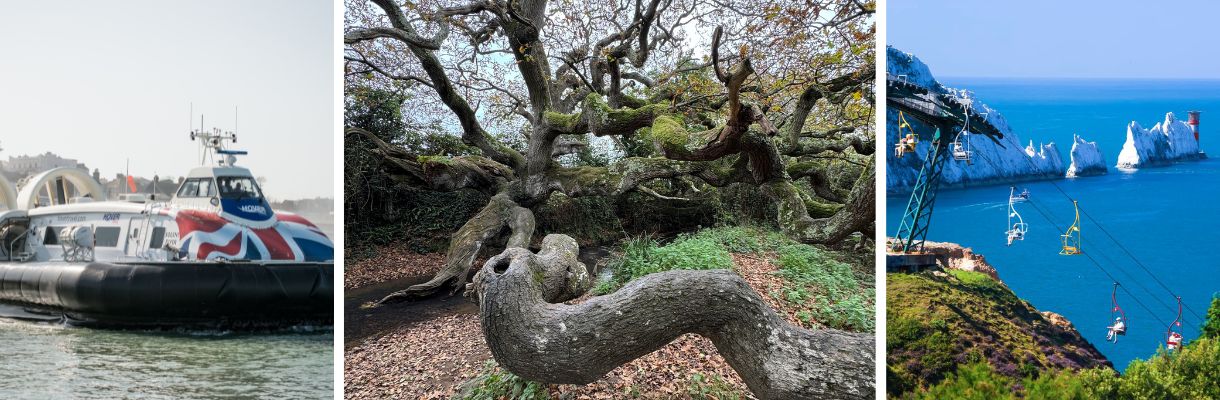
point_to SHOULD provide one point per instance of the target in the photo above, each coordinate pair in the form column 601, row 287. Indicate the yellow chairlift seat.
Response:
column 1071, row 238
column 906, row 143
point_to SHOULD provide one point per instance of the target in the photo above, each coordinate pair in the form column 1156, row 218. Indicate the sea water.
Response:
column 45, row 361
column 1165, row 217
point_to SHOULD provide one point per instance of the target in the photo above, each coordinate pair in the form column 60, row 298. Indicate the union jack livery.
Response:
column 209, row 236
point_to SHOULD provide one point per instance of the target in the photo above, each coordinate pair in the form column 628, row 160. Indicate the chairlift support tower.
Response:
column 944, row 112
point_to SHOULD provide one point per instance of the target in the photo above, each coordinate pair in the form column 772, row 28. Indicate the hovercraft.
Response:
column 215, row 255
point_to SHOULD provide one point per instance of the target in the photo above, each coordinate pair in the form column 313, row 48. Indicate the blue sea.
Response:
column 1165, row 217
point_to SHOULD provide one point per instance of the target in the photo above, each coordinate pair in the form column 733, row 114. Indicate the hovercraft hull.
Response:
column 213, row 295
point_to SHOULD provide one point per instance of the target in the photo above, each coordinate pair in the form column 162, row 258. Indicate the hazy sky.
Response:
column 104, row 82
column 1043, row 38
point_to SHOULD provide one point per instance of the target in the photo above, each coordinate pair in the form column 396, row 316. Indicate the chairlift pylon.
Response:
column 1071, row 238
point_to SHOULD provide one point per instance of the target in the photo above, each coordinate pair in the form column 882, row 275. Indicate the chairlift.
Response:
column 1017, row 229
column 1014, row 197
column 907, row 142
column 1173, row 335
column 1120, row 318
column 1071, row 238
column 960, row 151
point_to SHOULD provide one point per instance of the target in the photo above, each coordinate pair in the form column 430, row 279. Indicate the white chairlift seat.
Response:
column 1017, row 232
column 960, row 153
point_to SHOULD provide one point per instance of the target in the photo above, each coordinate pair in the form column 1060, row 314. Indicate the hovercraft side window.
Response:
column 206, row 188
column 51, row 235
column 238, row 187
column 197, row 187
column 106, row 236
column 158, row 238
column 189, row 188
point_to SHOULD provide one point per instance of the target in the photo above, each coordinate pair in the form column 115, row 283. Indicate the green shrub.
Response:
column 977, row 281
column 589, row 220
column 972, row 382
column 705, row 249
column 744, row 239
column 1189, row 373
column 605, row 286
column 712, row 387
column 378, row 209
column 822, row 289
column 495, row 383
column 899, row 331
column 643, row 256
column 827, row 289
column 1098, row 383
column 1211, row 326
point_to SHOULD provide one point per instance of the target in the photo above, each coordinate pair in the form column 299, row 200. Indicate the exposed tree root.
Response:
column 533, row 336
column 500, row 212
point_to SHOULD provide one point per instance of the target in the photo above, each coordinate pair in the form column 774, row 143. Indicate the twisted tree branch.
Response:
column 534, row 336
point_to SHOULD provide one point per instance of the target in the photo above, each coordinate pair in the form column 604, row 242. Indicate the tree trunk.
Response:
column 533, row 336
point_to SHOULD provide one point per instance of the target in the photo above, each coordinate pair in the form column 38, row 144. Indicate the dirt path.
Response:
column 361, row 322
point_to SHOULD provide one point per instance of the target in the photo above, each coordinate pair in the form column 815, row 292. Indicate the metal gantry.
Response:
column 944, row 112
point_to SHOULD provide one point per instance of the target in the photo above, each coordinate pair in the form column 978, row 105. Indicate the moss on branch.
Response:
column 600, row 119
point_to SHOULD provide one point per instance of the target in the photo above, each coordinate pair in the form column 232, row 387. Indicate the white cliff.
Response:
column 1006, row 161
column 1167, row 141
column 1086, row 159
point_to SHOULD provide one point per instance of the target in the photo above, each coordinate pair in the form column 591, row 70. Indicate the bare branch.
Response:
column 359, row 35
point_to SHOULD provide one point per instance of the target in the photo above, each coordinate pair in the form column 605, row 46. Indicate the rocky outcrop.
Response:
column 1168, row 141
column 954, row 256
column 1059, row 321
column 1086, row 159
column 994, row 162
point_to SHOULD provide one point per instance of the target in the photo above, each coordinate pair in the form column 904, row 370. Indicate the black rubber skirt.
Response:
column 174, row 294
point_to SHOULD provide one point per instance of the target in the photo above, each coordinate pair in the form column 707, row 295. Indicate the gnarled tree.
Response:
column 626, row 72
column 536, row 86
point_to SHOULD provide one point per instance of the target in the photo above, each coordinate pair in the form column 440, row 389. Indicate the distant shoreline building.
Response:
column 28, row 165
column 17, row 169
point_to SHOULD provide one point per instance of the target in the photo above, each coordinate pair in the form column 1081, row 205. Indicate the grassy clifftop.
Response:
column 938, row 321
column 1189, row 373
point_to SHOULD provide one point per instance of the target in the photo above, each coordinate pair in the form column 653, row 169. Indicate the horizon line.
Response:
column 1077, row 78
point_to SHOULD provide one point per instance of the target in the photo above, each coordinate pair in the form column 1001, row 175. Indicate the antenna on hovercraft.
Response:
column 212, row 143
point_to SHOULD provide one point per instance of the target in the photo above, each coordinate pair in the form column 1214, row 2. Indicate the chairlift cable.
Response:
column 1101, row 254
column 1088, row 256
column 1116, row 242
column 1107, row 273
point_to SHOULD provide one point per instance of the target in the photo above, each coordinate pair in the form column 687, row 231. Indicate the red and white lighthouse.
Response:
column 1194, row 123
